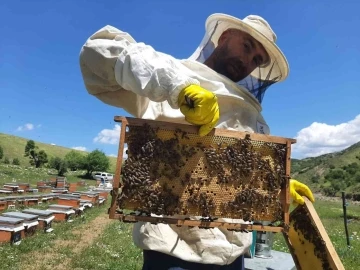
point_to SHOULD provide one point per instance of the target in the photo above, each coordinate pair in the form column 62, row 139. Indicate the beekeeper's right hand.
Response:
column 200, row 107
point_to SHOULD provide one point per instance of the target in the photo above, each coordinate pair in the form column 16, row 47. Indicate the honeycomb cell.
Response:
column 171, row 172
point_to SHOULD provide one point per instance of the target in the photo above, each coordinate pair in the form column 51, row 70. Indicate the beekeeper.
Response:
column 221, row 85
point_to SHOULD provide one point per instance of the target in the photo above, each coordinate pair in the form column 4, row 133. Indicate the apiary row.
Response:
column 16, row 225
column 58, row 185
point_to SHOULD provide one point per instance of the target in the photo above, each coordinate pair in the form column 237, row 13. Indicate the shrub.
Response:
column 16, row 161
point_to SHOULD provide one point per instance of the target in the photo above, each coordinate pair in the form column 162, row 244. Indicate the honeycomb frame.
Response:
column 308, row 241
column 203, row 175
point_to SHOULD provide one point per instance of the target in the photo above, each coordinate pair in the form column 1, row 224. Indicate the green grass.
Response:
column 14, row 147
column 114, row 249
column 12, row 173
column 331, row 216
column 11, row 256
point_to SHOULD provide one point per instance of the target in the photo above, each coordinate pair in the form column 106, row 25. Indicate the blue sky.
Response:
column 43, row 97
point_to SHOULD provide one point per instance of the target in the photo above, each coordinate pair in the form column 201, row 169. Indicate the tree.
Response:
column 315, row 178
column 338, row 185
column 37, row 158
column 16, row 161
column 335, row 174
column 74, row 160
column 329, row 191
column 30, row 146
column 96, row 161
column 58, row 164
column 41, row 159
column 351, row 168
column 1, row 152
column 6, row 160
column 357, row 177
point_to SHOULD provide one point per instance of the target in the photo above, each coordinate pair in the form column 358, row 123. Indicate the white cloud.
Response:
column 109, row 136
column 80, row 148
column 27, row 126
column 112, row 155
column 321, row 138
column 53, row 144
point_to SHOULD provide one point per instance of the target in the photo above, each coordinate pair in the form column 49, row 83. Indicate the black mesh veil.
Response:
column 258, row 85
column 257, row 82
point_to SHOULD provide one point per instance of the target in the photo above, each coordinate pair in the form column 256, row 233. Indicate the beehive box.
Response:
column 30, row 221
column 3, row 205
column 173, row 173
column 72, row 187
column 69, row 201
column 61, row 212
column 45, row 218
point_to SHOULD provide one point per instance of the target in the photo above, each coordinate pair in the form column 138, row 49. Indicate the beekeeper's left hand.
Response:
column 297, row 190
column 200, row 107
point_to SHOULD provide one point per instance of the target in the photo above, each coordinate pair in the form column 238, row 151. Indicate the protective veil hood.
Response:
column 262, row 77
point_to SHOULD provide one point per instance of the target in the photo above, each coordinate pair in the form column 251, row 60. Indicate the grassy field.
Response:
column 112, row 247
column 108, row 249
column 14, row 257
column 13, row 173
column 331, row 216
column 14, row 147
column 111, row 244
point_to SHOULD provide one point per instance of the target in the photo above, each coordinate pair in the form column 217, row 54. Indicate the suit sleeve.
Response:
column 127, row 74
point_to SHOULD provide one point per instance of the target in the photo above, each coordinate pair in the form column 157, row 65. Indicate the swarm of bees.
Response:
column 159, row 177
column 249, row 200
column 303, row 224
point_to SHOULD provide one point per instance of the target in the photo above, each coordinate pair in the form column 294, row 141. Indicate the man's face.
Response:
column 238, row 54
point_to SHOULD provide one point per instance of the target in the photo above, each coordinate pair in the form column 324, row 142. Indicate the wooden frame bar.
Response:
column 197, row 223
column 116, row 182
column 285, row 192
column 194, row 129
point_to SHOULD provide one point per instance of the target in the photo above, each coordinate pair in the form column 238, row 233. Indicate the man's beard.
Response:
column 231, row 67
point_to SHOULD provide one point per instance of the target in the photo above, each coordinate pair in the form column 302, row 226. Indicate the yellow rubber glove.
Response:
column 297, row 190
column 200, row 107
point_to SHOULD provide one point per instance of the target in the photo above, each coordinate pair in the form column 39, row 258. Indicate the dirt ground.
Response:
column 54, row 257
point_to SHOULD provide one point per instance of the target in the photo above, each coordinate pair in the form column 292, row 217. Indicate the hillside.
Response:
column 14, row 147
column 314, row 170
column 318, row 172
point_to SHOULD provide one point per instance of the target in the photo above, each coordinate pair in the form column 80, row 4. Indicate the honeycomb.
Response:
column 172, row 172
column 311, row 249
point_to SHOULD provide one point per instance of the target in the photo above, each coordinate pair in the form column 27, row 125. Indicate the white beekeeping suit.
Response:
column 124, row 73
